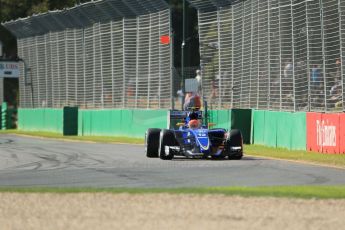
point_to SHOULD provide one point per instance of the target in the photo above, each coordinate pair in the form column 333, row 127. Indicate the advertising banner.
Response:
column 323, row 132
column 328, row 131
column 312, row 137
column 9, row 69
column 342, row 133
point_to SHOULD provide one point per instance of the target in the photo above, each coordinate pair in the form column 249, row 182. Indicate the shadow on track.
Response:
column 245, row 158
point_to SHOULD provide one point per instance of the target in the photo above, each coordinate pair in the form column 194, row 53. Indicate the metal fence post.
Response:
column 241, row 87
column 258, row 74
column 280, row 60
column 66, row 69
column 293, row 58
column 75, row 69
column 124, row 96
column 112, row 63
column 137, row 63
column 149, row 69
column 46, row 68
column 269, row 55
column 251, row 53
column 100, row 32
column 160, row 64
column 182, row 48
column 172, row 40
column 219, row 60
column 308, row 56
column 58, row 76
column 232, row 56
column 341, row 53
column 37, row 75
column 84, row 66
column 323, row 54
column 94, row 65
column 51, row 71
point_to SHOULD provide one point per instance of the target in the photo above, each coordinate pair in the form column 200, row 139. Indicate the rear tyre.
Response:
column 152, row 142
column 234, row 139
column 167, row 138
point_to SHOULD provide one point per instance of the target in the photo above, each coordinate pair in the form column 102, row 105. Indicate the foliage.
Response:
column 13, row 9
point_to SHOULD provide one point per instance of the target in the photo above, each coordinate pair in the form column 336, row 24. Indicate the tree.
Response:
column 11, row 9
column 60, row 4
column 14, row 9
column 38, row 7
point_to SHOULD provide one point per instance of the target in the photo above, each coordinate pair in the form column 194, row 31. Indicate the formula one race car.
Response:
column 193, row 139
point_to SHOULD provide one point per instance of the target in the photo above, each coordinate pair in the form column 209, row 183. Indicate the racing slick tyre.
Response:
column 219, row 157
column 216, row 137
column 234, row 140
column 167, row 138
column 152, row 142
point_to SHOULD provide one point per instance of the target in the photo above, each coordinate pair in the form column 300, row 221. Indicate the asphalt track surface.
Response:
column 35, row 162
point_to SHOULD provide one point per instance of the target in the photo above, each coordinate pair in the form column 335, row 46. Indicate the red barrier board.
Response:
column 342, row 133
column 328, row 131
column 313, row 119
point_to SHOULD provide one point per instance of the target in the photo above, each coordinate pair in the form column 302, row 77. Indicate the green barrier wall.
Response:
column 258, row 127
column 276, row 129
column 221, row 118
column 70, row 121
column 45, row 120
column 242, row 119
column 233, row 119
column 4, row 116
column 131, row 123
column 279, row 129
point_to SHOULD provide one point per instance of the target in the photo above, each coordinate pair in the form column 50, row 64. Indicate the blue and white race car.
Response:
column 193, row 139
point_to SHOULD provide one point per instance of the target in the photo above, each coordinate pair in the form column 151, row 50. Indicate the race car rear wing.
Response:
column 178, row 116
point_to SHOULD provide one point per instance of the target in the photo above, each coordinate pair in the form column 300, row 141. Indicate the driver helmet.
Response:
column 193, row 116
column 193, row 124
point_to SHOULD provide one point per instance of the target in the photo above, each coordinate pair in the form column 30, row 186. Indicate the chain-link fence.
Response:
column 101, row 54
column 277, row 55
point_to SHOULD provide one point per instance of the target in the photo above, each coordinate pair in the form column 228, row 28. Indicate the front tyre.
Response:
column 167, row 138
column 152, row 142
column 234, row 145
column 218, row 157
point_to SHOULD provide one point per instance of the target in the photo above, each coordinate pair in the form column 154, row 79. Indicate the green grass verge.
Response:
column 100, row 139
column 337, row 160
column 303, row 192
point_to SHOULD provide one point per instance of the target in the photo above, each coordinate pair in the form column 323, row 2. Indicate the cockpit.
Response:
column 194, row 122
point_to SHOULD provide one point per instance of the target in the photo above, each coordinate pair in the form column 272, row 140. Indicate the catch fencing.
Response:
column 101, row 54
column 285, row 55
